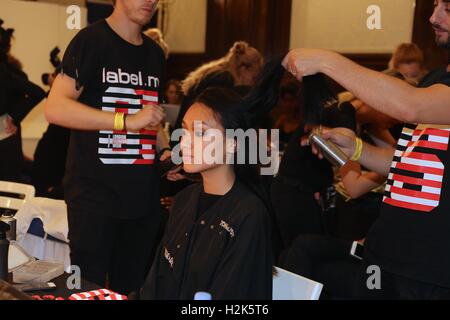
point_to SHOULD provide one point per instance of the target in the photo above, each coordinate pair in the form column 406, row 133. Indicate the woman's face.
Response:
column 172, row 95
column 410, row 70
column 203, row 142
column 289, row 103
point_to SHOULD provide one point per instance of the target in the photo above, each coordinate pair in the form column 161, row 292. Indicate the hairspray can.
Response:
column 330, row 151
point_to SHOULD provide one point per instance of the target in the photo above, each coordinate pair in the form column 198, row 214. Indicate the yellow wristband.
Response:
column 119, row 121
column 358, row 150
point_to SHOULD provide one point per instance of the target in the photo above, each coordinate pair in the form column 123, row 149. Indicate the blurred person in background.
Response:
column 156, row 35
column 18, row 96
column 238, row 70
column 408, row 60
column 173, row 93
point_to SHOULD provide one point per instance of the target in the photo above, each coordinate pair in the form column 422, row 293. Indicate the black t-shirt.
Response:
column 206, row 201
column 411, row 237
column 117, row 76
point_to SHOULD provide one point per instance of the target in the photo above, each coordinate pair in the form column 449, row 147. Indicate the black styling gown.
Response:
column 226, row 251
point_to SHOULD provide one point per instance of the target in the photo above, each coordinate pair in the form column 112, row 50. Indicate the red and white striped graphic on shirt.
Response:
column 122, row 147
column 415, row 180
column 101, row 294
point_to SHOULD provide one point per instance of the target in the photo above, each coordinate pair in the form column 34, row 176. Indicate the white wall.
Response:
column 39, row 27
column 341, row 25
column 186, row 31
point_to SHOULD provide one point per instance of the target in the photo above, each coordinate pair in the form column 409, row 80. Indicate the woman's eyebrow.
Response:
column 206, row 124
column 203, row 124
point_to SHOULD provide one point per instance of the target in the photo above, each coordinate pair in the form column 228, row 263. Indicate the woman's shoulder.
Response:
column 248, row 204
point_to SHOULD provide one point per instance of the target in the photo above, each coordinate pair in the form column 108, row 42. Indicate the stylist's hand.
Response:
column 305, row 62
column 166, row 202
column 167, row 154
column 175, row 175
column 149, row 116
column 10, row 126
column 344, row 138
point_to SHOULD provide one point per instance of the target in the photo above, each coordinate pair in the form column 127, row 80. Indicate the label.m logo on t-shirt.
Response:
column 416, row 175
column 135, row 79
column 126, row 96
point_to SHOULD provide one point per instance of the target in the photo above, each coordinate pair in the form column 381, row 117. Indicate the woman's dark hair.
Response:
column 291, row 87
column 234, row 112
column 5, row 42
column 317, row 93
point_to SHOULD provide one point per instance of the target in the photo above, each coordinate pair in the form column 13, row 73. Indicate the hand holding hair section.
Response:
column 318, row 93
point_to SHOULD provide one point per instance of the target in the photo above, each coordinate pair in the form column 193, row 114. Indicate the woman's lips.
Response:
column 148, row 10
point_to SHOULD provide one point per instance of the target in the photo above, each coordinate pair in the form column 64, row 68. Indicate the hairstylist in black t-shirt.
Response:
column 410, row 240
column 108, row 94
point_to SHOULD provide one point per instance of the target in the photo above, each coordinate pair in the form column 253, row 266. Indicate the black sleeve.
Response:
column 149, row 289
column 28, row 96
column 156, row 286
column 246, row 268
column 437, row 76
column 3, row 90
column 445, row 81
column 80, row 59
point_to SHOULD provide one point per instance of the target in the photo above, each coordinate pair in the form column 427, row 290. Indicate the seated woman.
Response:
column 218, row 234
column 237, row 70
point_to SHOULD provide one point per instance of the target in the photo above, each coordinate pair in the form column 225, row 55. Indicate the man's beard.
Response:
column 442, row 44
